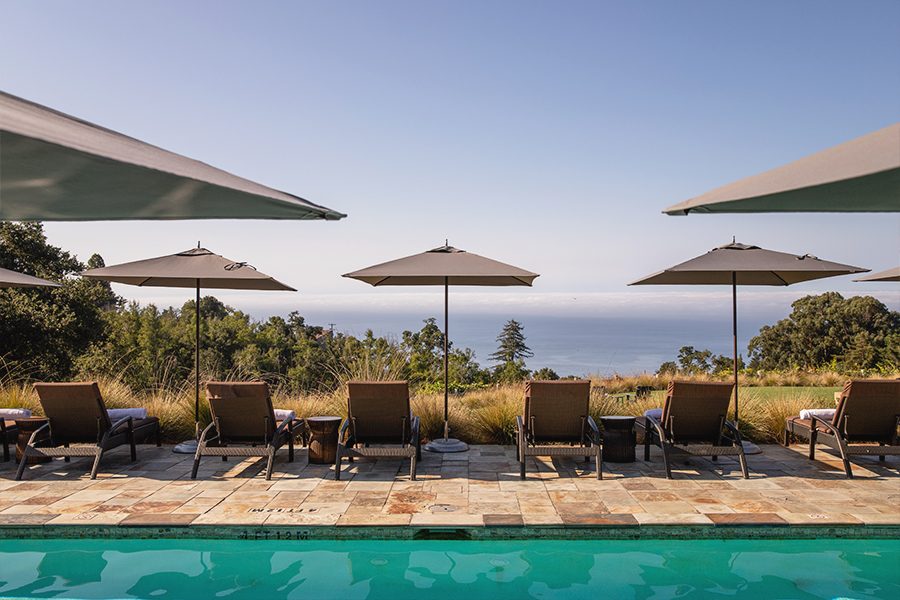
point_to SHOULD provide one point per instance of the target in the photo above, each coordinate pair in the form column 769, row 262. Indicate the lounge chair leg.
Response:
column 599, row 459
column 291, row 448
column 666, row 461
column 412, row 468
column 812, row 443
column 21, row 468
column 647, row 445
column 133, row 450
column 337, row 464
column 5, row 449
column 744, row 468
column 269, row 465
column 787, row 437
column 96, row 464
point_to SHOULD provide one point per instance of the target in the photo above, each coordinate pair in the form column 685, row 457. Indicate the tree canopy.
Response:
column 829, row 330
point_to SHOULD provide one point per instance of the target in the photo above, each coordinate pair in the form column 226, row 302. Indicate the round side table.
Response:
column 323, row 439
column 619, row 439
column 26, row 427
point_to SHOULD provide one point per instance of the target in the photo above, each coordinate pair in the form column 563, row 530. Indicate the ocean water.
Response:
column 569, row 345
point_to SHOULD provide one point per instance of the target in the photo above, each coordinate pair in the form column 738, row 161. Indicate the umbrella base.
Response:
column 750, row 448
column 446, row 445
column 188, row 447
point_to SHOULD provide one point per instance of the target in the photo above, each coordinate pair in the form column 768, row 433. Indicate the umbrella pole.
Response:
column 190, row 446
column 197, row 368
column 749, row 448
column 446, row 359
column 734, row 338
column 447, row 444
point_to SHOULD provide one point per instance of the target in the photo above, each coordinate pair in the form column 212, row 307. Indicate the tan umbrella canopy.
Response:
column 193, row 268
column 444, row 266
column 862, row 175
column 740, row 264
column 889, row 275
column 60, row 168
column 14, row 279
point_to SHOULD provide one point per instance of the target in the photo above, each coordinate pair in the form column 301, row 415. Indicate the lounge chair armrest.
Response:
column 734, row 430
column 594, row 433
column 656, row 426
column 817, row 420
column 37, row 431
column 284, row 425
column 120, row 422
column 344, row 426
column 520, row 424
column 206, row 431
column 414, row 430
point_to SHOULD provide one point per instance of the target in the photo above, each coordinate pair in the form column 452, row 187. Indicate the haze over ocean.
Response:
column 573, row 345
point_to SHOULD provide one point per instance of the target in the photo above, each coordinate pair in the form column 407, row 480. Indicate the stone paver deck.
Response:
column 477, row 488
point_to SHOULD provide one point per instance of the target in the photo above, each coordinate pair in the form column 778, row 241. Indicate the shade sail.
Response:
column 862, row 175
column 889, row 275
column 14, row 279
column 56, row 167
column 444, row 265
column 750, row 264
column 189, row 269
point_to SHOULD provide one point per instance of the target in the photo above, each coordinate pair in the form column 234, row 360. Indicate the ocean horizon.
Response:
column 570, row 345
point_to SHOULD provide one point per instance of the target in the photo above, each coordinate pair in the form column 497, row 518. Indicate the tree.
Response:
column 44, row 330
column 546, row 374
column 693, row 362
column 825, row 330
column 511, row 353
column 426, row 352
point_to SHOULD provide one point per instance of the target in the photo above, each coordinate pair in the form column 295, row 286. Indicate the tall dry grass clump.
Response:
column 492, row 414
column 430, row 410
column 762, row 415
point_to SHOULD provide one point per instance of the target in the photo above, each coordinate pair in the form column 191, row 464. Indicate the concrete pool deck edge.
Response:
column 149, row 530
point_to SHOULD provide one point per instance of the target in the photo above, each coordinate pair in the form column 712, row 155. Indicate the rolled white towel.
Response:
column 14, row 413
column 823, row 413
column 656, row 413
column 283, row 414
column 116, row 414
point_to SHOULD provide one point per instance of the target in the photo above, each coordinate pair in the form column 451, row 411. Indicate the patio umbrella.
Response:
column 60, row 168
column 10, row 279
column 889, row 275
column 444, row 266
column 862, row 175
column 739, row 264
column 193, row 268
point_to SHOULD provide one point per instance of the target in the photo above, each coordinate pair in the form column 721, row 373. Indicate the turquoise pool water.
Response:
column 454, row 570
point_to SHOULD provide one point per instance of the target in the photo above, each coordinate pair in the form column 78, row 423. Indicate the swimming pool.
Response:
column 397, row 570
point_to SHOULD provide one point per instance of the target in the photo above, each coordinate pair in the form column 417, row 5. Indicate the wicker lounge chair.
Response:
column 243, row 424
column 378, row 413
column 867, row 411
column 693, row 423
column 557, row 412
column 76, row 414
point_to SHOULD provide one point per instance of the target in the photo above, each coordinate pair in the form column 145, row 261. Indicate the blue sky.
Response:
column 548, row 135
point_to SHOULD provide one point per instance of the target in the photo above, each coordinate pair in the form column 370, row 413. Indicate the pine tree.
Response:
column 512, row 346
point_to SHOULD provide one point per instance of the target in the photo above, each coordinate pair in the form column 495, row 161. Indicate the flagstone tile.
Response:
column 664, row 518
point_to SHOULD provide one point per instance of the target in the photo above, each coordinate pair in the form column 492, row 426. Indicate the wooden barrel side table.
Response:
column 26, row 427
column 323, row 439
column 619, row 439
